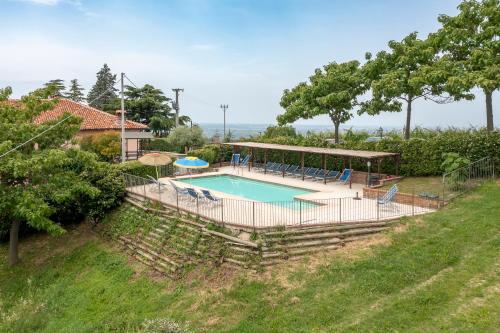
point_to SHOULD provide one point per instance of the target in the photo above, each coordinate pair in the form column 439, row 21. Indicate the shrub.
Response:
column 186, row 137
column 422, row 155
column 136, row 168
column 106, row 145
column 209, row 153
column 159, row 144
column 275, row 131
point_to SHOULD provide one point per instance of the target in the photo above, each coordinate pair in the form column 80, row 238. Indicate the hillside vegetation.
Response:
column 433, row 273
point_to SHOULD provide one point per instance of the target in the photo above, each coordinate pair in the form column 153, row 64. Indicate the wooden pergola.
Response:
column 324, row 152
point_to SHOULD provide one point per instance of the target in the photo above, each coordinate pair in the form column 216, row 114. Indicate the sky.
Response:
column 240, row 53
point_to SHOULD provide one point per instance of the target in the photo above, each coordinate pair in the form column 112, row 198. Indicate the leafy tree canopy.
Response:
column 186, row 137
column 41, row 183
column 332, row 90
column 403, row 74
column 470, row 47
column 57, row 87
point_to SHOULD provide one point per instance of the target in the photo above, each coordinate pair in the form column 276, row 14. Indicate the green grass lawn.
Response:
column 418, row 185
column 434, row 273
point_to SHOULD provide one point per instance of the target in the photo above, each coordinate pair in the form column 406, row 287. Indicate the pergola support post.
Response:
column 265, row 161
column 282, row 163
column 302, row 164
column 350, row 170
column 324, row 169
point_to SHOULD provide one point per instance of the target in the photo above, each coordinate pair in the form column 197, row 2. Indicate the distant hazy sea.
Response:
column 243, row 130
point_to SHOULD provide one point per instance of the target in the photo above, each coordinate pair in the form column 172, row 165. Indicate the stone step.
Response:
column 297, row 253
column 304, row 244
column 302, row 237
column 333, row 227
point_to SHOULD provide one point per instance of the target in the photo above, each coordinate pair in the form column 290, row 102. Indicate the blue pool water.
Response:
column 247, row 188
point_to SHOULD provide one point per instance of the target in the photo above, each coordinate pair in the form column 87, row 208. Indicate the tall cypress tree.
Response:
column 75, row 92
column 57, row 87
column 103, row 93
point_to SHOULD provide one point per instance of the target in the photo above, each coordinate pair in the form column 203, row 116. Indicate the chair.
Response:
column 321, row 174
column 192, row 193
column 178, row 189
column 158, row 185
column 298, row 172
column 274, row 167
column 311, row 172
column 344, row 176
column 291, row 170
column 235, row 160
column 210, row 197
column 281, row 168
column 332, row 174
column 389, row 196
column 245, row 161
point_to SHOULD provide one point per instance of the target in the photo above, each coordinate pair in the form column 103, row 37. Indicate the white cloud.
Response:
column 42, row 2
column 77, row 4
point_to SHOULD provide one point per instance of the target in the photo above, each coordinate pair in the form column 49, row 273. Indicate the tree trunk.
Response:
column 14, row 243
column 489, row 111
column 408, row 119
column 337, row 132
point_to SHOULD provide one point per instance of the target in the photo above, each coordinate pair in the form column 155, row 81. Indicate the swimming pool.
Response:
column 248, row 188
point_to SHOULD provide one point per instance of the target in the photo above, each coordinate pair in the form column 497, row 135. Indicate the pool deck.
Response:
column 332, row 189
column 331, row 203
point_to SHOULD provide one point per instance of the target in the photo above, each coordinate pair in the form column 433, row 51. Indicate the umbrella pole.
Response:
column 156, row 167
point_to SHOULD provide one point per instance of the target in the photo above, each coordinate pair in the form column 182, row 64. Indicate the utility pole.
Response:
column 224, row 108
column 176, row 105
column 124, row 141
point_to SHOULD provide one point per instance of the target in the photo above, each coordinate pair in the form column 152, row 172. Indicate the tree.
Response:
column 184, row 138
column 470, row 43
column 143, row 103
column 333, row 90
column 42, row 185
column 404, row 74
column 75, row 92
column 161, row 125
column 103, row 94
column 106, row 145
column 57, row 87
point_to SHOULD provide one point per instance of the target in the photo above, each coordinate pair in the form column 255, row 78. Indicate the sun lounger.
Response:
column 311, row 172
column 389, row 196
column 292, row 169
column 245, row 161
column 298, row 172
column 332, row 174
column 193, row 194
column 159, row 186
column 281, row 168
column 274, row 167
column 210, row 197
column 344, row 177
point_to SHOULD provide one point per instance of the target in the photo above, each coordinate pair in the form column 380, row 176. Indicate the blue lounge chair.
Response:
column 332, row 174
column 178, row 189
column 321, row 174
column 291, row 170
column 235, row 159
column 311, row 172
column 344, row 177
column 210, row 197
column 298, row 173
column 281, row 168
column 274, row 167
column 245, row 161
column 193, row 194
column 159, row 186
column 389, row 196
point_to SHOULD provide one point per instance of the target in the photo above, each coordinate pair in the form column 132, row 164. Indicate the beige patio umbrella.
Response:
column 155, row 159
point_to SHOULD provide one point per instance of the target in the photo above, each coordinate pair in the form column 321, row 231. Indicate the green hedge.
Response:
column 138, row 169
column 420, row 156
column 212, row 153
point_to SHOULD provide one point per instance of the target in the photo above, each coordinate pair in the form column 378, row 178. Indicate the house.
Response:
column 95, row 121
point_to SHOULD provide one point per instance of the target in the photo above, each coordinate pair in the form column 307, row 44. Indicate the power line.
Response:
column 51, row 127
column 129, row 80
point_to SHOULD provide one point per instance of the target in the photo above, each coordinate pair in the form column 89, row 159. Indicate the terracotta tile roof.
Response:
column 93, row 119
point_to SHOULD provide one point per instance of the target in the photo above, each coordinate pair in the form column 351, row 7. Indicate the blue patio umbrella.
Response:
column 191, row 162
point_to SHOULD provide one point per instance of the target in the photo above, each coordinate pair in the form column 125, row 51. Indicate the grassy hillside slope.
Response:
column 439, row 272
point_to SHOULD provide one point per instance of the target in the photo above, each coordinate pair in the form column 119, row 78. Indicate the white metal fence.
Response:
column 258, row 215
